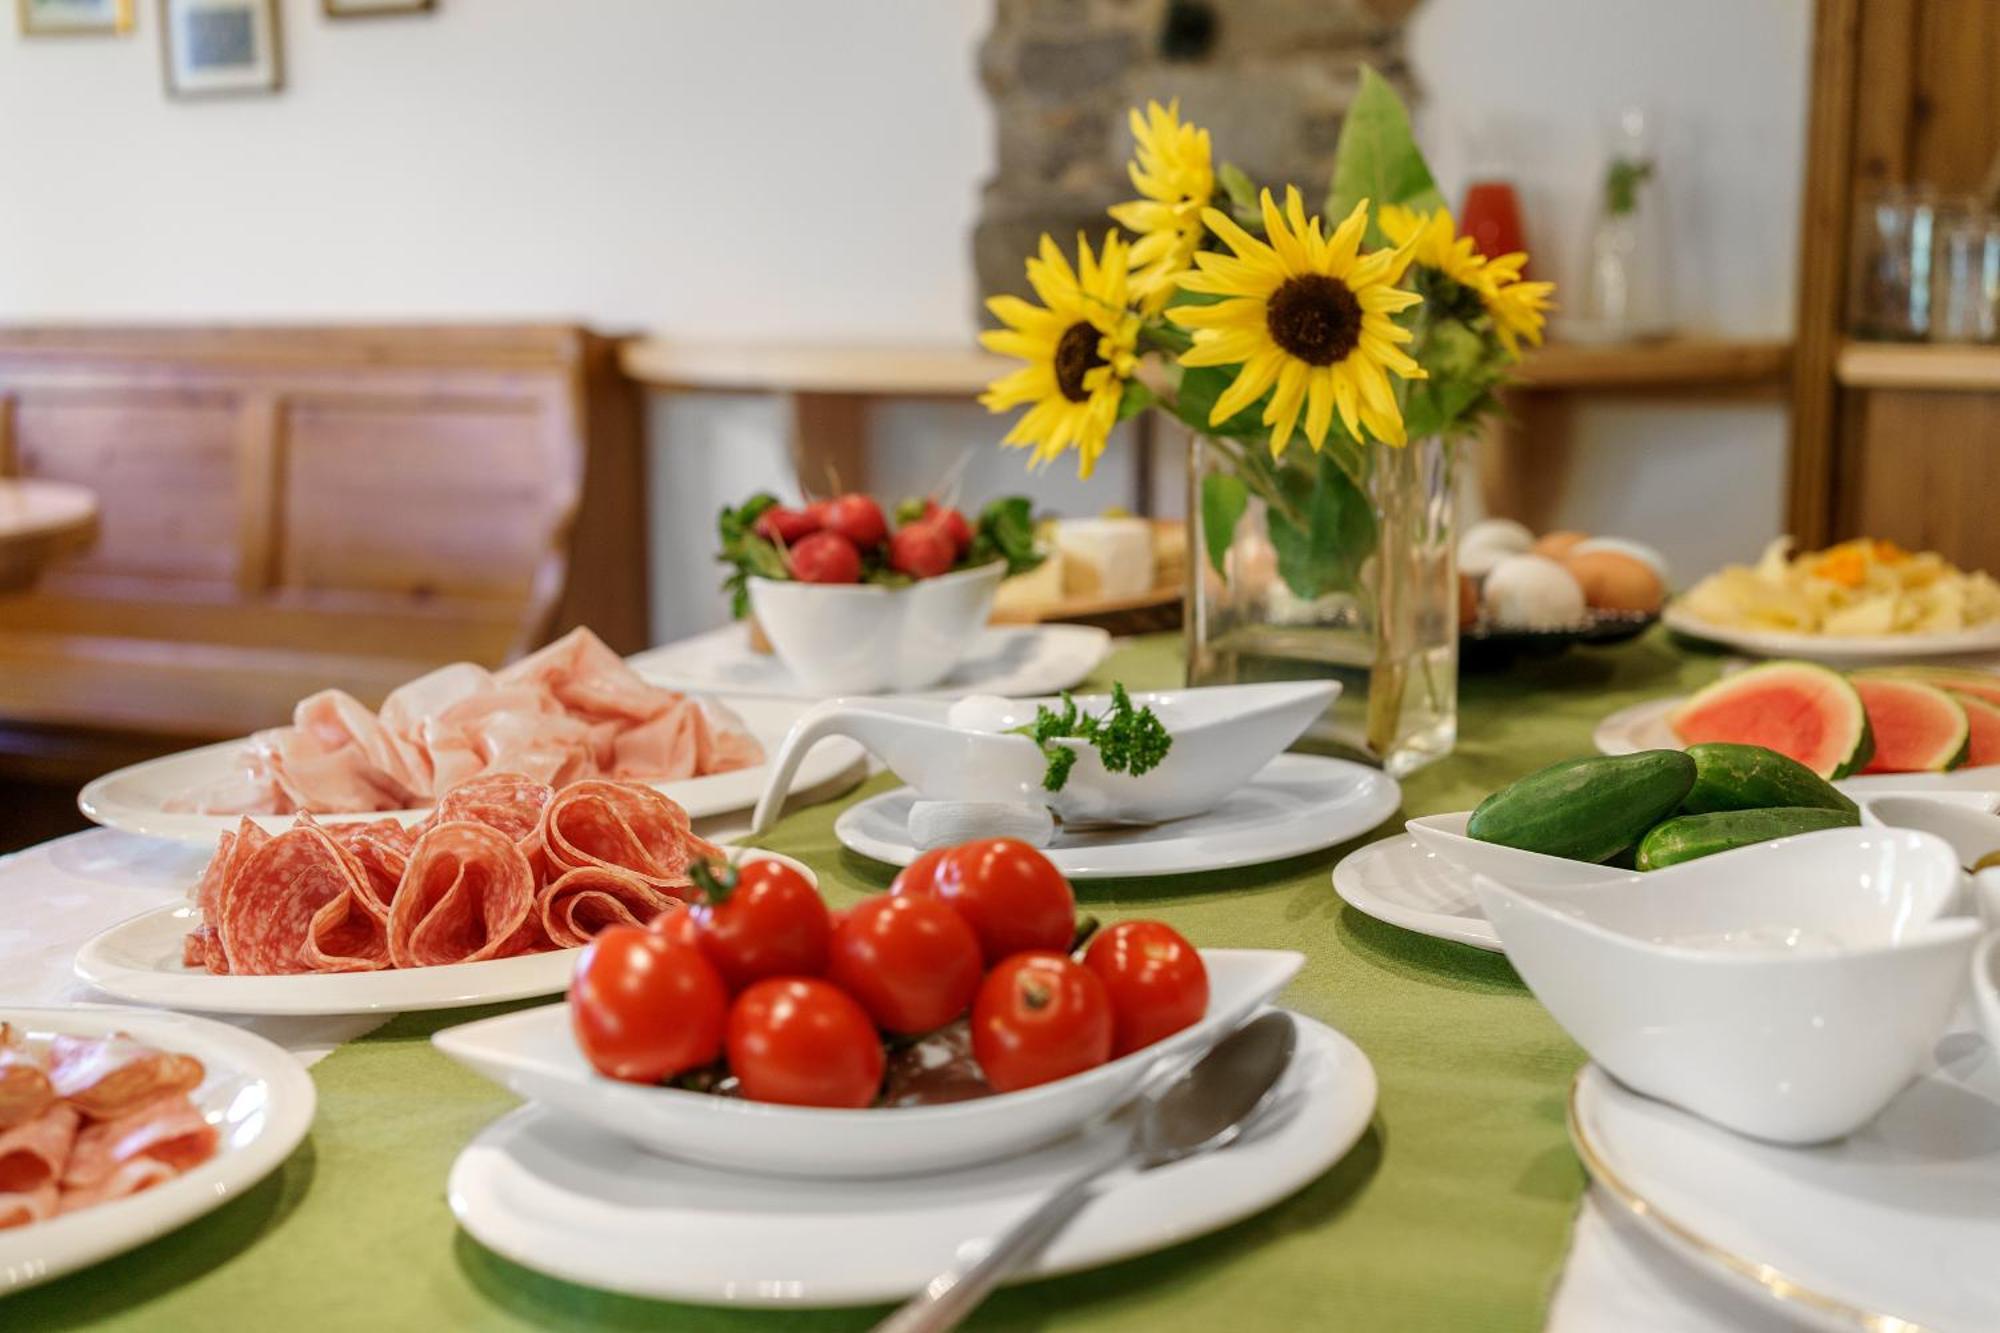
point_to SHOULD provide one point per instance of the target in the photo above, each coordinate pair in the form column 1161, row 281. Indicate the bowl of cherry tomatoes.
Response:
column 961, row 1017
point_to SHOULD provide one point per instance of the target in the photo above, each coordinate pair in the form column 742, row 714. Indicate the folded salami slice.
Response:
column 19, row 1209
column 32, row 1155
column 25, row 1090
column 106, row 1077
column 466, row 893
column 170, row 1131
column 203, row 947
column 296, row 905
column 382, row 847
column 509, row 802
column 623, row 826
column 588, row 899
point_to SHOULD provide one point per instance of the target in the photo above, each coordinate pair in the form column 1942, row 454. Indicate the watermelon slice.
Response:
column 1918, row 728
column 1799, row 709
column 1982, row 746
column 1958, row 680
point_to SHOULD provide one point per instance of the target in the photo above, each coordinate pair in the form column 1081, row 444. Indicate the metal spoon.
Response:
column 1206, row 1107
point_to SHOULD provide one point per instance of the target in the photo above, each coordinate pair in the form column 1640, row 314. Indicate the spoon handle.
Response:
column 952, row 1295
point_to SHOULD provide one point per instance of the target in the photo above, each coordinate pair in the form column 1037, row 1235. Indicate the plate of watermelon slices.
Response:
column 1904, row 727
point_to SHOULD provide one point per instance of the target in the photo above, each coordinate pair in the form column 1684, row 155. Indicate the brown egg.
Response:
column 1556, row 545
column 1468, row 601
column 1614, row 581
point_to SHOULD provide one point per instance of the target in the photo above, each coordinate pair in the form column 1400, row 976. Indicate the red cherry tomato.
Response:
column 1010, row 895
column 955, row 527
column 916, row 877
column 645, row 1009
column 922, row 550
column 804, row 1043
column 785, row 526
column 913, row 963
column 1039, row 1017
column 1155, row 979
column 826, row 557
column 761, row 919
column 674, row 925
column 859, row 519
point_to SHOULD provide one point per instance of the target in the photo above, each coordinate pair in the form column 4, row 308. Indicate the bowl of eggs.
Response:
column 1520, row 594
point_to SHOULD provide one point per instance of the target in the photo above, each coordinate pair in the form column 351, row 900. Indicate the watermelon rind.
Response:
column 1772, row 675
column 1977, row 706
column 1942, row 759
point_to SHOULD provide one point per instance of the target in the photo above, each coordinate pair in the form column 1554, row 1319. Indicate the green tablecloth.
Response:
column 1452, row 1213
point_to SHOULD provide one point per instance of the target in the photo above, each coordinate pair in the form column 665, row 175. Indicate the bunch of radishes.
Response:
column 829, row 541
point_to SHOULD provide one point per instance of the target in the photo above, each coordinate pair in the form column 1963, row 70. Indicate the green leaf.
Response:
column 1339, row 535
column 1200, row 387
column 1242, row 191
column 747, row 553
column 1378, row 158
column 1005, row 531
column 1224, row 497
column 1136, row 399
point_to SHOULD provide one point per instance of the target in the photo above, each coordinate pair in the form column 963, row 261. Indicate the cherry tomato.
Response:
column 826, row 557
column 923, row 550
column 674, row 925
column 1039, row 1017
column 1155, row 979
column 1010, row 895
column 804, row 1043
column 955, row 527
column 785, row 526
column 859, row 519
column 913, row 963
column 915, row 878
column 760, row 919
column 645, row 1009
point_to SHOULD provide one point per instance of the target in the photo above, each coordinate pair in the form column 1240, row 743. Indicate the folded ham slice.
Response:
column 169, row 1131
column 106, row 1077
column 623, row 827
column 467, row 891
column 587, row 899
column 25, row 1090
column 299, row 903
column 20, row 1208
column 33, row 1155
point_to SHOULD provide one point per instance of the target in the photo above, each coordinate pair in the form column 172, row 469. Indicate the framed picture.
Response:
column 69, row 18
column 213, row 47
column 362, row 9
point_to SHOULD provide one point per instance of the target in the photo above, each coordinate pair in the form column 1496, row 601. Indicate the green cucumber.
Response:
column 1690, row 837
column 1728, row 776
column 1585, row 809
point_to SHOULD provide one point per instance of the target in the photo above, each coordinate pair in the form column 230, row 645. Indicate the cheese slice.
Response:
column 1106, row 557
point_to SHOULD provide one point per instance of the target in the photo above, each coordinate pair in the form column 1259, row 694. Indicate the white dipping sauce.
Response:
column 984, row 712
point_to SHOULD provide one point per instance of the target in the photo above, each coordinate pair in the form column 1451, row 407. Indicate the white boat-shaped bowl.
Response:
column 1986, row 987
column 1790, row 1044
column 1222, row 736
column 1444, row 837
column 533, row 1054
column 1971, row 828
column 861, row 638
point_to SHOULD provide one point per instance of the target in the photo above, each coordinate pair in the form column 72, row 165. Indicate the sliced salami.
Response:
column 231, row 852
column 382, row 848
column 509, row 802
column 106, row 1077
column 588, row 899
column 295, row 906
column 625, row 827
column 33, row 1155
column 467, row 891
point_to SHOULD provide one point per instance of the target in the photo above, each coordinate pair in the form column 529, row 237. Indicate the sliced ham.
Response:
column 467, row 891
column 25, row 1090
column 169, row 1130
column 141, row 1173
column 588, row 899
column 623, row 826
column 19, row 1209
column 105, row 1077
column 296, row 905
column 34, row 1154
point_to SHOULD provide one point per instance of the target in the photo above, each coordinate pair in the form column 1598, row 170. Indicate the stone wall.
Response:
column 1270, row 79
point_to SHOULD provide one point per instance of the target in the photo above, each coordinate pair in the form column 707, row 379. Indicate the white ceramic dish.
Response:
column 1678, row 983
column 1836, row 650
column 134, row 799
column 1298, row 803
column 1014, row 660
column 1221, row 737
column 556, row 1195
column 140, row 959
column 862, row 638
column 1986, row 989
column 1892, row 1228
column 1445, row 835
column 533, row 1055
column 259, row 1098
column 1403, row 882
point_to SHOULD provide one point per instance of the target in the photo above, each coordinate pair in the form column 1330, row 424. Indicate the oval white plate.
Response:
column 560, row 1197
column 1402, row 882
column 133, row 799
column 140, row 959
column 258, row 1097
column 1897, row 1222
column 1298, row 803
column 1837, row 649
column 534, row 1055
column 1029, row 659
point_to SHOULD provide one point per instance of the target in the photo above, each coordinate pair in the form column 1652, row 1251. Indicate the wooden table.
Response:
column 41, row 521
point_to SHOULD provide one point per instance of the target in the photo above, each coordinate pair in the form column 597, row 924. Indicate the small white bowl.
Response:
column 1680, row 983
column 1444, row 837
column 532, row 1054
column 860, row 638
column 1963, row 819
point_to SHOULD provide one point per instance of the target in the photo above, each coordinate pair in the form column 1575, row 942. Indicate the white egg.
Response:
column 1639, row 551
column 1488, row 542
column 1533, row 592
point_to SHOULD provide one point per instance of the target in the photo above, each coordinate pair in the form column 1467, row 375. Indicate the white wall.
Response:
column 801, row 169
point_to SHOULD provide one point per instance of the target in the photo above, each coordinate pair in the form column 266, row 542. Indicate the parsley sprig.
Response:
column 1128, row 739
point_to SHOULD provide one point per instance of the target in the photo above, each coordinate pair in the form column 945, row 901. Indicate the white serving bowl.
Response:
column 860, row 638
column 1967, row 823
column 532, row 1053
column 1671, row 981
column 1222, row 736
column 1444, row 837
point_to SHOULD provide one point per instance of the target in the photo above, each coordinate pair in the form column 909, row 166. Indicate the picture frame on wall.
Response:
column 75, row 18
column 213, row 48
column 365, row 9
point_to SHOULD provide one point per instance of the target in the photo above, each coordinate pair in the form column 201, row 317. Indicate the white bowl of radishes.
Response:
column 855, row 604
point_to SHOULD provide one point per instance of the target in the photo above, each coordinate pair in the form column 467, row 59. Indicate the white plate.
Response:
column 1897, row 1222
column 558, row 1196
column 1298, row 803
column 1031, row 659
column 1400, row 881
column 1837, row 649
column 534, row 1055
column 258, row 1097
column 133, row 799
column 140, row 959
column 1645, row 727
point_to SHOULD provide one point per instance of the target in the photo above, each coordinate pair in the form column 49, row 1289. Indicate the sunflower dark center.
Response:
column 1315, row 318
column 1076, row 356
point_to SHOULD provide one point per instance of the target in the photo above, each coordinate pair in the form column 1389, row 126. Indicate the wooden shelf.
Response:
column 1670, row 364
column 1950, row 367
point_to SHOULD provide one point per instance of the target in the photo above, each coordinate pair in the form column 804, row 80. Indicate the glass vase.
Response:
column 1317, row 567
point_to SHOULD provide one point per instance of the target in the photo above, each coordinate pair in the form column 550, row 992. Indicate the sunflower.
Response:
column 1308, row 314
column 1432, row 241
column 1173, row 173
column 1518, row 308
column 1079, row 346
column 1515, row 307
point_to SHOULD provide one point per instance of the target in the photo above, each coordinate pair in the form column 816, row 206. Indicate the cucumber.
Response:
column 1728, row 776
column 1586, row 809
column 1690, row 837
